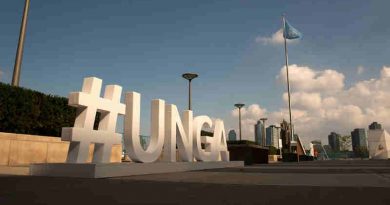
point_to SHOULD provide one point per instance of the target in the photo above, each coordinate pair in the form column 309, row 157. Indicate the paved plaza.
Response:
column 321, row 182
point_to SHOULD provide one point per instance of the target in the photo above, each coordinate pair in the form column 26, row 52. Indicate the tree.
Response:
column 361, row 151
column 272, row 150
column 345, row 142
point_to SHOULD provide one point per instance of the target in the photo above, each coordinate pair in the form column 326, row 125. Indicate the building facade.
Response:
column 378, row 144
column 272, row 136
column 145, row 140
column 232, row 136
column 334, row 141
column 359, row 139
column 285, row 134
column 259, row 132
column 375, row 126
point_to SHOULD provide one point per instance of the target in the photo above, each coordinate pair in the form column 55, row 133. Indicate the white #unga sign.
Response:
column 168, row 130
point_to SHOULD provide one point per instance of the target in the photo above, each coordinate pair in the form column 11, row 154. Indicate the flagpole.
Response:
column 288, row 85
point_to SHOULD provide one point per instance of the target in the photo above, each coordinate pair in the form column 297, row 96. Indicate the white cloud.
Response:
column 276, row 38
column 304, row 100
column 303, row 78
column 321, row 103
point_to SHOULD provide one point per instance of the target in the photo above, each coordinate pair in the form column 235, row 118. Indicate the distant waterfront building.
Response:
column 375, row 126
column 320, row 151
column 316, row 142
column 295, row 137
column 359, row 139
column 145, row 140
column 334, row 141
column 272, row 136
column 378, row 144
column 286, row 136
column 232, row 136
column 311, row 149
column 259, row 127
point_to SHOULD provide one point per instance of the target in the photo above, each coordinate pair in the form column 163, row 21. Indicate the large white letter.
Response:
column 210, row 153
column 132, row 129
column 178, row 133
column 220, row 140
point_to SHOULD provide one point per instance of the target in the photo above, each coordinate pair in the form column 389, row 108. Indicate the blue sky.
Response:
column 145, row 46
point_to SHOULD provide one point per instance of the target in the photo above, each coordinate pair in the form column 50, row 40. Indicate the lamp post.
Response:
column 263, row 140
column 189, row 77
column 239, row 106
column 19, row 51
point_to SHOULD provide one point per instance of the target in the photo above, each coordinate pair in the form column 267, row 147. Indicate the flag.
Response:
column 290, row 32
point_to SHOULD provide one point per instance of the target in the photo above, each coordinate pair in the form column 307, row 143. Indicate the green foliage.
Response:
column 26, row 111
column 345, row 142
column 272, row 150
column 361, row 151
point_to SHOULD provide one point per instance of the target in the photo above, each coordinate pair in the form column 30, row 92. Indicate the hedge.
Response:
column 26, row 111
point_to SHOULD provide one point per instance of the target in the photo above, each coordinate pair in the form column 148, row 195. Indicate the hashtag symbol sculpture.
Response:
column 88, row 102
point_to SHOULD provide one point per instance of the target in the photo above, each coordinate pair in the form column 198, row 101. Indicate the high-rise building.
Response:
column 316, row 142
column 259, row 127
column 272, row 136
column 375, row 126
column 359, row 139
column 232, row 135
column 334, row 141
column 144, row 140
column 378, row 144
column 285, row 134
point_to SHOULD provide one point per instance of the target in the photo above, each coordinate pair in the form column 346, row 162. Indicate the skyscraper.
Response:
column 375, row 126
column 144, row 140
column 232, row 135
column 359, row 139
column 259, row 133
column 378, row 144
column 272, row 136
column 285, row 134
column 334, row 141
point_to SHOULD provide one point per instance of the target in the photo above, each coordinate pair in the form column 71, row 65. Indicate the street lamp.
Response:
column 263, row 140
column 19, row 51
column 189, row 77
column 239, row 106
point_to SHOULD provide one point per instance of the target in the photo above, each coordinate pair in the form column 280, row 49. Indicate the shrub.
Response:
column 26, row 111
column 272, row 150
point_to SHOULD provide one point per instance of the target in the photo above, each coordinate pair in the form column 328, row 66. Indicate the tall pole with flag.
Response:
column 289, row 32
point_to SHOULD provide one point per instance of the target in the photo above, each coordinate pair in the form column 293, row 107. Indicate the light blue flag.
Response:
column 291, row 32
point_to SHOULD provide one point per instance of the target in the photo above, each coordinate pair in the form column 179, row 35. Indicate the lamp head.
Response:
column 239, row 105
column 190, row 76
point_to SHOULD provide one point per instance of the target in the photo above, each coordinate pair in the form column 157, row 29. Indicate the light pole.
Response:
column 189, row 77
column 19, row 51
column 239, row 106
column 263, row 140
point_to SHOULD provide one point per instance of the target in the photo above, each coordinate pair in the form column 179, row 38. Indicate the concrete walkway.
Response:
column 249, row 185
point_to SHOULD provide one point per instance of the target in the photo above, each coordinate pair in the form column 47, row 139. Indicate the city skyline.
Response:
column 234, row 46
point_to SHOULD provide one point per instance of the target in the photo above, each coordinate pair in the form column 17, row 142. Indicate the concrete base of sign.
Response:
column 89, row 170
